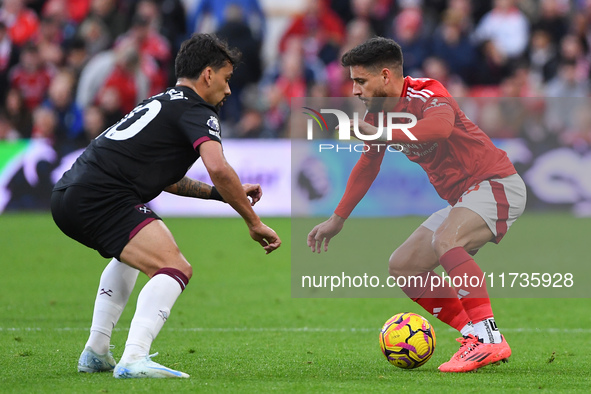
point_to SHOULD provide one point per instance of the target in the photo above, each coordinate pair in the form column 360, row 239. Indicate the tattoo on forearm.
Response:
column 191, row 188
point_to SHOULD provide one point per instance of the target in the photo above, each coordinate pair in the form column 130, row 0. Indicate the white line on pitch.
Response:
column 298, row 329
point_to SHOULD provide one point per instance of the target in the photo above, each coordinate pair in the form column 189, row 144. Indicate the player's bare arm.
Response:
column 228, row 184
column 323, row 233
column 188, row 187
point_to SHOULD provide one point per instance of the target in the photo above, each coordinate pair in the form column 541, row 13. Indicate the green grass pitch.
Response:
column 237, row 329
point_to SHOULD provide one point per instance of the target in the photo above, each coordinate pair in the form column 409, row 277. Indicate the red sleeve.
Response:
column 25, row 27
column 437, row 123
column 360, row 179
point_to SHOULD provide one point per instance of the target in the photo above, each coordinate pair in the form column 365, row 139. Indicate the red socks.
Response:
column 469, row 300
column 469, row 281
column 441, row 301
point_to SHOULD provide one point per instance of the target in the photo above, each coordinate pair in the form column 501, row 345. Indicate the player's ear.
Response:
column 208, row 75
column 386, row 75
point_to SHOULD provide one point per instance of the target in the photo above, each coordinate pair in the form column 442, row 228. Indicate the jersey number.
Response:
column 134, row 122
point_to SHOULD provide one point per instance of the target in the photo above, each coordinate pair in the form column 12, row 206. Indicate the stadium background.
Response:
column 70, row 68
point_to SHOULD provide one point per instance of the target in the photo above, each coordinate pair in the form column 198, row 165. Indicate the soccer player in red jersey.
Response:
column 484, row 192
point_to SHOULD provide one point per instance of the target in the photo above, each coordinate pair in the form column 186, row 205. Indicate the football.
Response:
column 407, row 340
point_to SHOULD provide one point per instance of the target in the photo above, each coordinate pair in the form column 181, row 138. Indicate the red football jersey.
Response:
column 453, row 151
column 33, row 85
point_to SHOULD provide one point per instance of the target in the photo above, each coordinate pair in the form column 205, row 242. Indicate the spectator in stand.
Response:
column 567, row 83
column 493, row 66
column 95, row 35
column 152, row 41
column 293, row 77
column 7, row 130
column 31, row 76
column 506, row 27
column 76, row 56
column 463, row 9
column 571, row 50
column 321, row 30
column 60, row 100
column 561, row 93
column 407, row 32
column 374, row 12
column 252, row 12
column 238, row 35
column 49, row 41
column 552, row 19
column 518, row 83
column 100, row 67
column 109, row 102
column 154, row 52
column 580, row 27
column 543, row 57
column 8, row 58
column 70, row 10
column 67, row 13
column 93, row 76
column 22, row 23
column 122, row 79
column 94, row 122
column 436, row 68
column 44, row 124
column 18, row 114
column 338, row 78
column 166, row 17
column 106, row 14
column 452, row 44
column 252, row 125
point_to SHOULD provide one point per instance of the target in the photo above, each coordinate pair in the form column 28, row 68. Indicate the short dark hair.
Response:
column 375, row 53
column 201, row 51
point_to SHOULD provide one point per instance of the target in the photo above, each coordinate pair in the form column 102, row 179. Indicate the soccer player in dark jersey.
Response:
column 484, row 192
column 100, row 202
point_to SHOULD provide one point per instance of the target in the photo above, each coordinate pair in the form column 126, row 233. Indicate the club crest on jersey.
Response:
column 143, row 209
column 214, row 126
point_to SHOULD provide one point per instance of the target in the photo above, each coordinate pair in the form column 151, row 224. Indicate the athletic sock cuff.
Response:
column 454, row 257
column 175, row 274
column 479, row 309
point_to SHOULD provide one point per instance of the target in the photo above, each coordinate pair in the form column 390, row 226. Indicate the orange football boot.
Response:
column 474, row 354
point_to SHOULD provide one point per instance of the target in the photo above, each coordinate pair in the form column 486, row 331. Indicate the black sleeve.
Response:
column 200, row 124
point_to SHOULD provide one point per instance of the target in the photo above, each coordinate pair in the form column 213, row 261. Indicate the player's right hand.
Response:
column 265, row 236
column 324, row 233
column 253, row 191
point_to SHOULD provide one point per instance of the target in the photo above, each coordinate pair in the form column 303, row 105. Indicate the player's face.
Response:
column 368, row 84
column 220, row 85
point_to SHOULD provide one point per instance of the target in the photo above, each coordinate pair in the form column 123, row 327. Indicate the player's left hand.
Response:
column 323, row 233
column 253, row 191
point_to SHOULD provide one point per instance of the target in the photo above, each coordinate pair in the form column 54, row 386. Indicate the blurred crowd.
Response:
column 71, row 68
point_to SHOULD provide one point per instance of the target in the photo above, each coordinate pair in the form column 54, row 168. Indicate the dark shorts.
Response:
column 104, row 221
